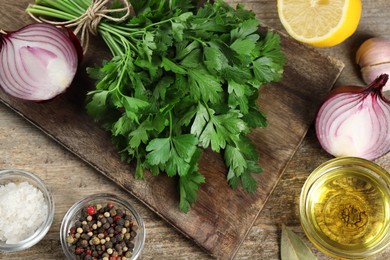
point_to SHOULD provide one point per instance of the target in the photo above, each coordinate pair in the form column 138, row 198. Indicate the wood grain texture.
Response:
column 23, row 146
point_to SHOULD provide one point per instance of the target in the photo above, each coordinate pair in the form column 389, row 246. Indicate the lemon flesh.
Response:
column 321, row 23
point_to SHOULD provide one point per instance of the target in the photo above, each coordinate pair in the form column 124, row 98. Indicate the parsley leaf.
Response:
column 189, row 184
column 97, row 106
column 204, row 86
column 159, row 151
column 182, row 80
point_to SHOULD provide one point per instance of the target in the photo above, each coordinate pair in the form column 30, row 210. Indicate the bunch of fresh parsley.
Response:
column 183, row 79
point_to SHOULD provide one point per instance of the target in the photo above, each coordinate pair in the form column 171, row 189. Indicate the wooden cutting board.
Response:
column 221, row 218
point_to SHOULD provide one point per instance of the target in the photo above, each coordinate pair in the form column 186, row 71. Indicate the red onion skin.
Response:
column 67, row 35
column 76, row 43
column 355, row 94
column 357, row 89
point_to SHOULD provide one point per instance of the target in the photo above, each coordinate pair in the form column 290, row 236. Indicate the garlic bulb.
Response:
column 373, row 57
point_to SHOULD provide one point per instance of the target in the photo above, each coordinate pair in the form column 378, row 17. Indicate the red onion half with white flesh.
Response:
column 37, row 62
column 355, row 121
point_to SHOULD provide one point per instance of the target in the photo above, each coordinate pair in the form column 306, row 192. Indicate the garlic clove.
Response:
column 370, row 73
column 373, row 51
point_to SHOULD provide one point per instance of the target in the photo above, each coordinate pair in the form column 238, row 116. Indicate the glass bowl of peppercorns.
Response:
column 102, row 226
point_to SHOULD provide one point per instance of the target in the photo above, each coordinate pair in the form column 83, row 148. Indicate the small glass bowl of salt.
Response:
column 26, row 210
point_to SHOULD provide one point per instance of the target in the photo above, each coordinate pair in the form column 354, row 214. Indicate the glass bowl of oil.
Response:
column 345, row 208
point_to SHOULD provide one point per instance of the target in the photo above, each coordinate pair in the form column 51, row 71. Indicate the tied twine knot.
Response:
column 88, row 22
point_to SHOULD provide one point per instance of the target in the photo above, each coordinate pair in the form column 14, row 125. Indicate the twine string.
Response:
column 88, row 22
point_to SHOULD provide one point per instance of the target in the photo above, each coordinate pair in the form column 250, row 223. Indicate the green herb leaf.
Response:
column 140, row 135
column 215, row 59
column 159, row 151
column 204, row 85
column 293, row 248
column 246, row 28
column 171, row 66
column 96, row 107
column 201, row 119
column 189, row 183
column 185, row 145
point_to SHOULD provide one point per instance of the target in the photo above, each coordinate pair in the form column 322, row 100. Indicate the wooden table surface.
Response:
column 24, row 146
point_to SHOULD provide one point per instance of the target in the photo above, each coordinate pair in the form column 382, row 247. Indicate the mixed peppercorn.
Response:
column 103, row 233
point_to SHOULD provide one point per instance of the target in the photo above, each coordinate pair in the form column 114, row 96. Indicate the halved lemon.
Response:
column 320, row 23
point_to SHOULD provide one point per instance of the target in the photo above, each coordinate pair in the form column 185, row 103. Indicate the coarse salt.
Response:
column 22, row 211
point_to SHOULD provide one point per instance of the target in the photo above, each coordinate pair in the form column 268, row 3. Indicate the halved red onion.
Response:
column 37, row 62
column 355, row 121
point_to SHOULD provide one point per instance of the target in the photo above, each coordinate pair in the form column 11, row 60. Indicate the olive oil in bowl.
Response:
column 345, row 208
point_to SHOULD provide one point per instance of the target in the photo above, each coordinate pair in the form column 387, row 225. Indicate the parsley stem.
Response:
column 77, row 7
column 125, row 38
column 125, row 59
column 128, row 31
column 112, row 29
column 118, row 43
column 128, row 27
column 158, row 23
column 84, row 4
column 197, row 39
column 47, row 11
column 66, row 6
column 170, row 124
column 119, row 32
column 115, row 49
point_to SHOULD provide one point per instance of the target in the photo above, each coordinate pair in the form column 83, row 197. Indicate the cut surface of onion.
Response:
column 355, row 121
column 37, row 62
